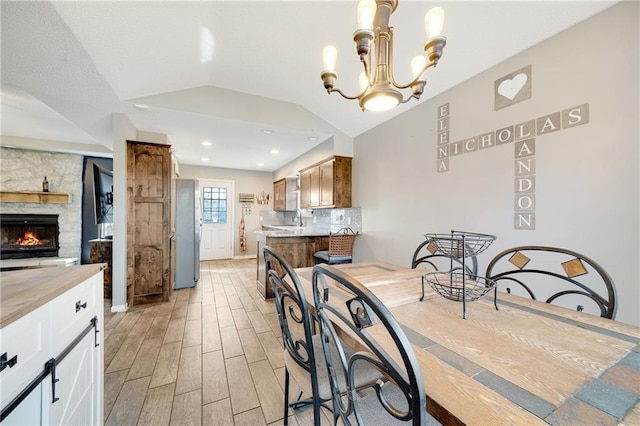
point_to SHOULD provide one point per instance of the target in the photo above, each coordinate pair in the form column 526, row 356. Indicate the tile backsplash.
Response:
column 326, row 219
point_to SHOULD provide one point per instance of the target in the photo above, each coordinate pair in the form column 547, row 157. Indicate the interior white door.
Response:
column 217, row 219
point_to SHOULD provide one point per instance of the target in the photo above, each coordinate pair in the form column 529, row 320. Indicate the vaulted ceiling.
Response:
column 225, row 71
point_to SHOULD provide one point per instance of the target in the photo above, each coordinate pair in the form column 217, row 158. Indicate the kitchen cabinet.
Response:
column 51, row 326
column 305, row 188
column 279, row 195
column 149, row 219
column 326, row 184
column 285, row 195
column 297, row 249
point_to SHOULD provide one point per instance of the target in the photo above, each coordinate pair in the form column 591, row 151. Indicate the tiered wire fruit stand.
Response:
column 458, row 284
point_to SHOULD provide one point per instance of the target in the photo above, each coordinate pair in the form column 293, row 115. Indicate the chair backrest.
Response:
column 341, row 242
column 350, row 312
column 555, row 273
column 427, row 254
column 296, row 323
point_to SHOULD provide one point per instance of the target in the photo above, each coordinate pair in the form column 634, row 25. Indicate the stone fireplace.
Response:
column 23, row 170
column 28, row 235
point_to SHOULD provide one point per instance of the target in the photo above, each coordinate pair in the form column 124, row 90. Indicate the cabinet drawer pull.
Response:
column 4, row 362
column 80, row 305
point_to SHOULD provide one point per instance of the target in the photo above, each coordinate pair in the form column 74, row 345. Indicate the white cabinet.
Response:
column 77, row 389
column 67, row 332
column 28, row 342
column 29, row 412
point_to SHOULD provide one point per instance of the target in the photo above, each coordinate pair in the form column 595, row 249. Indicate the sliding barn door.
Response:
column 148, row 223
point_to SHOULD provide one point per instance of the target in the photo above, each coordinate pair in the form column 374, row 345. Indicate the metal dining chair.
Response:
column 349, row 309
column 340, row 248
column 303, row 355
column 560, row 276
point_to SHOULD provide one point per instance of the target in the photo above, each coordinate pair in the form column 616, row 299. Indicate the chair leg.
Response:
column 286, row 396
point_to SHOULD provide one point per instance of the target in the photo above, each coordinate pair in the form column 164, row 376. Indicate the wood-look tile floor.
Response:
column 212, row 355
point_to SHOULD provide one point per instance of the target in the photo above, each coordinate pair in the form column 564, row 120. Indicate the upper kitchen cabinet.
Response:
column 327, row 184
column 284, row 194
column 279, row 191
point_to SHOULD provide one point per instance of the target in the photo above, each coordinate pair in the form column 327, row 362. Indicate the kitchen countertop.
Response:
column 26, row 290
column 38, row 262
column 293, row 231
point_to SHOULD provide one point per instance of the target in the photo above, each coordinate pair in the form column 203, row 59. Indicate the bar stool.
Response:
column 340, row 248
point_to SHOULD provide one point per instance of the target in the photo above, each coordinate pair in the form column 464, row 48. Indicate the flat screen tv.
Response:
column 103, row 194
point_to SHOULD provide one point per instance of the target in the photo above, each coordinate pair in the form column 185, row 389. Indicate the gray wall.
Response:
column 90, row 229
column 587, row 184
column 245, row 182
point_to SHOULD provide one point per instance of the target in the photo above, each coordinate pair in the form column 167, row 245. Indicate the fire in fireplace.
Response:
column 28, row 235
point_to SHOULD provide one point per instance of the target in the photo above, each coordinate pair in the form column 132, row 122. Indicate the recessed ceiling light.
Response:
column 274, row 151
column 141, row 106
column 267, row 131
column 206, row 143
column 313, row 138
column 205, row 159
column 260, row 164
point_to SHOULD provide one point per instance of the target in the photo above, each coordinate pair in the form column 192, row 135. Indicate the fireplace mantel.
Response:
column 34, row 197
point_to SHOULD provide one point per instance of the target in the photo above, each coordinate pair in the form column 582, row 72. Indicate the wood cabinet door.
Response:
column 148, row 223
column 326, row 183
column 305, row 189
column 342, row 178
column 279, row 195
column 314, row 187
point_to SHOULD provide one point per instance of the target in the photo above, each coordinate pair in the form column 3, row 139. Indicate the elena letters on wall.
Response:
column 523, row 135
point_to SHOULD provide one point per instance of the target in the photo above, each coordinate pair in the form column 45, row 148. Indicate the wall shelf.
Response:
column 34, row 197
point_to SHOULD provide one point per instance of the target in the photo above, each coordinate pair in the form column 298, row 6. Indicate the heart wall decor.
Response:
column 509, row 88
column 512, row 88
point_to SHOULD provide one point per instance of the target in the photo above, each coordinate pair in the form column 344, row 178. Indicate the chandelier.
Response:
column 378, row 89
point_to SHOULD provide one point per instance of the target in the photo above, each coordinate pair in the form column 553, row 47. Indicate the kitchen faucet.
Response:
column 299, row 217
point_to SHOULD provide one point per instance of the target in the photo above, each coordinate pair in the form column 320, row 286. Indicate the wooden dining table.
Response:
column 527, row 363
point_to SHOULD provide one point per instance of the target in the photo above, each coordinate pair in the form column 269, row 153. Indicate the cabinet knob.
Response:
column 80, row 305
column 5, row 362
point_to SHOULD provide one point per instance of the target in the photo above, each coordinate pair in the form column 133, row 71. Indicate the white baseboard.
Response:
column 247, row 256
column 119, row 308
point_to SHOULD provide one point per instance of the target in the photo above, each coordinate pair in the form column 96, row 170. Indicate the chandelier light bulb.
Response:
column 366, row 13
column 329, row 57
column 433, row 22
column 381, row 102
column 417, row 66
column 363, row 81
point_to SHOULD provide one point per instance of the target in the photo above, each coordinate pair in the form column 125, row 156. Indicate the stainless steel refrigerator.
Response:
column 188, row 233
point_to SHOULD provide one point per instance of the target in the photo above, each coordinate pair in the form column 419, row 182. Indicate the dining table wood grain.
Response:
column 527, row 363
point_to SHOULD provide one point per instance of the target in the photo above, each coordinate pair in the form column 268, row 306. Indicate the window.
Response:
column 214, row 205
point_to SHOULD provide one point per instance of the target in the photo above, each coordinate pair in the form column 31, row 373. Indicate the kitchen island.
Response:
column 296, row 244
column 51, row 340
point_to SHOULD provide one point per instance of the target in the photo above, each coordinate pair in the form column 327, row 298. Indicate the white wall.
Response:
column 319, row 153
column 245, row 182
column 587, row 184
column 123, row 129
